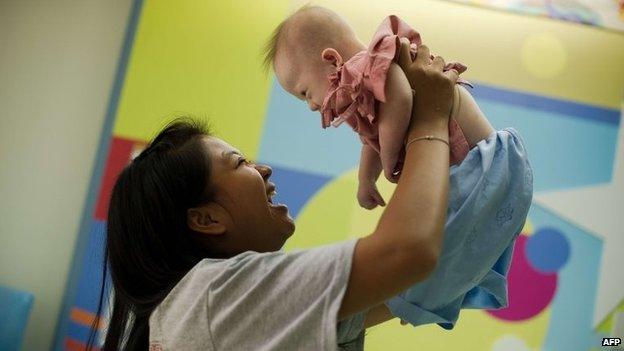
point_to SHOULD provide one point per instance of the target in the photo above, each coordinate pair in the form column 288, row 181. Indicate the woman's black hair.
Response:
column 149, row 246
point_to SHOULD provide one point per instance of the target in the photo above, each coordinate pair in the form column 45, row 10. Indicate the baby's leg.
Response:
column 468, row 115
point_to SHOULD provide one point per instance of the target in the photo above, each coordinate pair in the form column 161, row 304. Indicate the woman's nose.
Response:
column 264, row 170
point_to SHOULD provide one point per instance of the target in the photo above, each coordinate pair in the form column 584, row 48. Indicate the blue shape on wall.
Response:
column 294, row 188
column 548, row 250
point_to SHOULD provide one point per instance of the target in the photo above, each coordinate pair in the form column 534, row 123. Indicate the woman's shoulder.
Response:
column 254, row 265
column 218, row 293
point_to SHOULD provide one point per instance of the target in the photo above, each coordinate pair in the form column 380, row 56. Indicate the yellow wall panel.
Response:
column 202, row 58
column 531, row 54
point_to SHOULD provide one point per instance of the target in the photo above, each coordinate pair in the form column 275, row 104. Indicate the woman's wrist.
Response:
column 435, row 126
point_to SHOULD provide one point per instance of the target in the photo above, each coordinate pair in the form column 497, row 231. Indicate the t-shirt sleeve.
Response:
column 351, row 332
column 282, row 301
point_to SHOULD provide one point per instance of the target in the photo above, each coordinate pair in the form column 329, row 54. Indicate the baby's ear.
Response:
column 332, row 56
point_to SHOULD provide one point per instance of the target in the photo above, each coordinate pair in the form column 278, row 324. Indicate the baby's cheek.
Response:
column 323, row 89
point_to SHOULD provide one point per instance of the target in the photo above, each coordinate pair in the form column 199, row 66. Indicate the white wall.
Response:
column 57, row 64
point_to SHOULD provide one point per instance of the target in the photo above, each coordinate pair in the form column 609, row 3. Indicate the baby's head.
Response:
column 308, row 46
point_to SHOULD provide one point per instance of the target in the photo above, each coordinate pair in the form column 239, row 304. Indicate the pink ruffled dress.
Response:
column 359, row 84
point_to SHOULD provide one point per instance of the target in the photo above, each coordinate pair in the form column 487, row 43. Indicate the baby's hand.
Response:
column 368, row 196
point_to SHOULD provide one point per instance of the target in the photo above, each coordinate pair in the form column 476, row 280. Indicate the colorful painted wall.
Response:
column 560, row 84
column 608, row 14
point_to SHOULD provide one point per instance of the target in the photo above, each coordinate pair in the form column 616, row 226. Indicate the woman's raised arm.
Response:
column 404, row 247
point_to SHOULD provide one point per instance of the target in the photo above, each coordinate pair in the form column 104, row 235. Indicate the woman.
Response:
column 193, row 242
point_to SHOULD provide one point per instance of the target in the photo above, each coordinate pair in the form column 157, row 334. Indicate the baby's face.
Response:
column 304, row 77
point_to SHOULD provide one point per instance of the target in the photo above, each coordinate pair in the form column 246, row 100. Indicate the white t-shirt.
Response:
column 261, row 301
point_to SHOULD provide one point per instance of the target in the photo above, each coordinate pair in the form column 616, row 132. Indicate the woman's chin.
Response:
column 280, row 212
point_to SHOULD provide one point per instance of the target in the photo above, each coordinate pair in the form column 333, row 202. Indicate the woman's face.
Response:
column 240, row 217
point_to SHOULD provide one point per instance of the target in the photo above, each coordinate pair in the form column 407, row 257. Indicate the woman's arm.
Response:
column 377, row 315
column 404, row 247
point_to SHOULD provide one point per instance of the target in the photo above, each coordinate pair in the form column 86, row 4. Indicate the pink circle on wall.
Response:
column 530, row 291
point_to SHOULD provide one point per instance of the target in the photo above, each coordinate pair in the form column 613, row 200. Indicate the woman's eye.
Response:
column 243, row 160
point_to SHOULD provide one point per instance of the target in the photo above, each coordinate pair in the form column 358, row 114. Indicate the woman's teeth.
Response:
column 271, row 195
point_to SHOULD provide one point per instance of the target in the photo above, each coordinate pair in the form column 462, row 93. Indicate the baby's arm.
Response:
column 472, row 121
column 370, row 166
column 394, row 117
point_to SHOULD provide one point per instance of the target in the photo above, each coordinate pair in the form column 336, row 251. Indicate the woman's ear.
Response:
column 332, row 56
column 206, row 219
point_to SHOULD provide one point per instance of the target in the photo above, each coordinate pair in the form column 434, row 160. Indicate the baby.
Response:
column 317, row 58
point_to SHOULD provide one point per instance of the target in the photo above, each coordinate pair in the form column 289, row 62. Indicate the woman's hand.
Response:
column 433, row 88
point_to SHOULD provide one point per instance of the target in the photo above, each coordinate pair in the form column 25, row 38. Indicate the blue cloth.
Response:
column 489, row 198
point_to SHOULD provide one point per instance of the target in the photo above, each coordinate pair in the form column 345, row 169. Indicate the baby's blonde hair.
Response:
column 316, row 27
